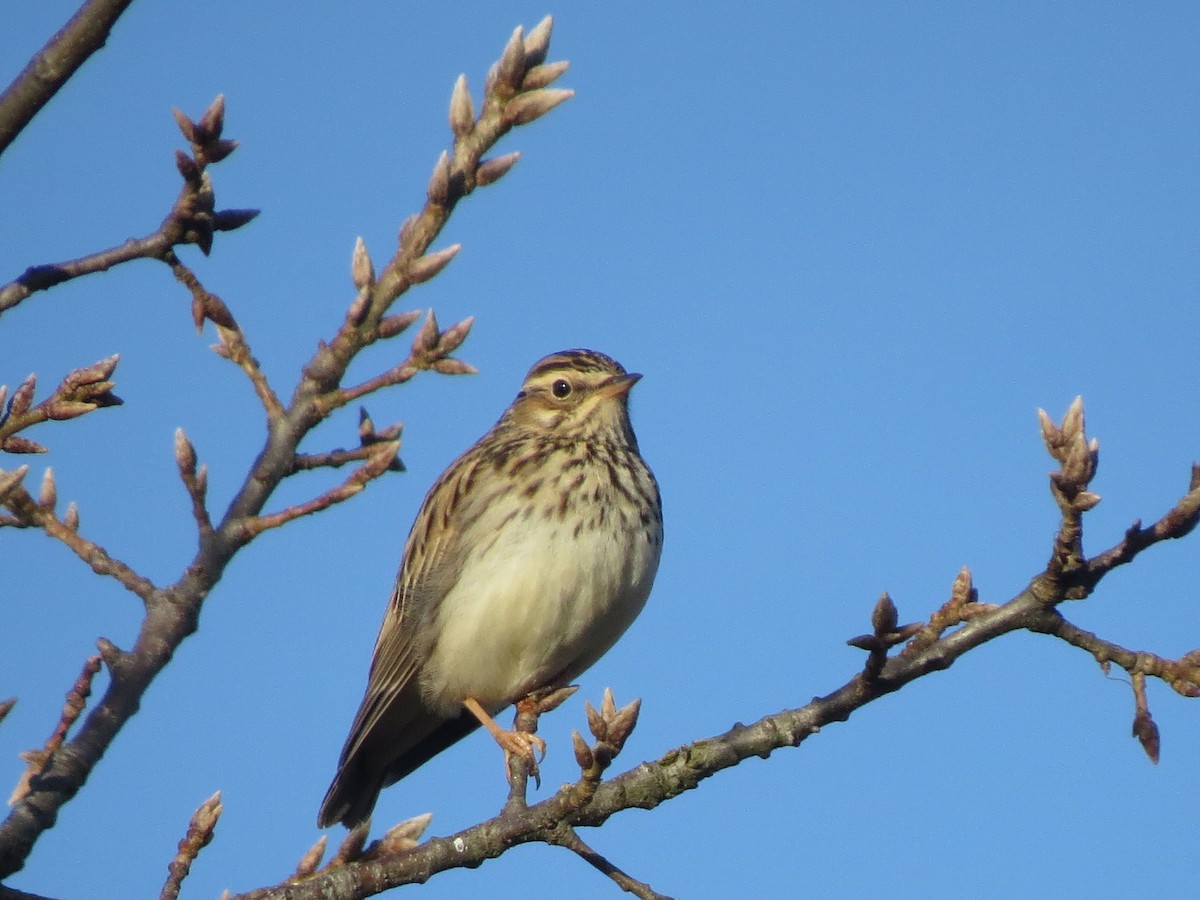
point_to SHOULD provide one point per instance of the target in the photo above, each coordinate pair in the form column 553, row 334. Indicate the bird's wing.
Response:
column 432, row 564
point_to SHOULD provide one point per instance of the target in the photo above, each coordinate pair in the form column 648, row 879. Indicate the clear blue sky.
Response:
column 852, row 247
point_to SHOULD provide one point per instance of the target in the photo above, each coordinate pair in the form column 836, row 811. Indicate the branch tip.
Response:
column 402, row 837
column 390, row 326
column 362, row 270
column 492, row 170
column 185, row 453
column 511, row 67
column 537, row 42
column 462, row 110
column 1144, row 727
column 199, row 833
column 532, row 105
column 544, row 75
column 6, row 707
column 352, row 845
column 48, row 495
column 9, row 481
column 427, row 338
column 438, row 189
column 429, row 265
column 311, row 860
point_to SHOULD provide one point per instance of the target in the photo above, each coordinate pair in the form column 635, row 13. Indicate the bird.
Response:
column 530, row 556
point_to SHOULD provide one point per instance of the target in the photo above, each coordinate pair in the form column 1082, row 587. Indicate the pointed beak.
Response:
column 620, row 385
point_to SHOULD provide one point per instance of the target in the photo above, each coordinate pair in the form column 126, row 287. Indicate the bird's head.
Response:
column 576, row 391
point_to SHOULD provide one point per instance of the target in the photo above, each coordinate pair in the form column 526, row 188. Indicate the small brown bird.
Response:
column 530, row 556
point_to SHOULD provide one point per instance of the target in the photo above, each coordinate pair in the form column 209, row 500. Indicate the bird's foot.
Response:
column 520, row 744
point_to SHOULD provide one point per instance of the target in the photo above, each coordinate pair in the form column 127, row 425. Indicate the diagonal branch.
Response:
column 54, row 64
column 29, row 513
column 1178, row 522
column 569, row 838
column 515, row 95
column 193, row 218
column 959, row 626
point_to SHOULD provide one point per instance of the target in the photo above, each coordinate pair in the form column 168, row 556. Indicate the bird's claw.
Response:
column 521, row 744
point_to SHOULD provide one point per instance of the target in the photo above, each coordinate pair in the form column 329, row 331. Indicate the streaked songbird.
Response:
column 531, row 555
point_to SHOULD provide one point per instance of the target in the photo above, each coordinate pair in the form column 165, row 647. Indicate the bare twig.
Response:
column 1178, row 522
column 199, row 833
column 379, row 460
column 27, row 513
column 430, row 351
column 1182, row 675
column 6, row 707
column 335, row 459
column 192, row 219
column 1144, row 728
column 886, row 632
column 74, row 705
column 233, row 346
column 195, row 482
column 570, row 839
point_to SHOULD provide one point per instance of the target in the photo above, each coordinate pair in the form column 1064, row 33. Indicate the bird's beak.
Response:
column 619, row 386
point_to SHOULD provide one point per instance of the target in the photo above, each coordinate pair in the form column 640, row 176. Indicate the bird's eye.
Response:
column 561, row 388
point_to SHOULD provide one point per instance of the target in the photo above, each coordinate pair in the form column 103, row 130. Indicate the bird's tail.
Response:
column 352, row 795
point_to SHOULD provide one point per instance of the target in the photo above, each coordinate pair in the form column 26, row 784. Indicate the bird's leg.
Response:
column 514, row 743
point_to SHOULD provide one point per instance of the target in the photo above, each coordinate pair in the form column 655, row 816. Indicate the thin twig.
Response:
column 30, row 514
column 1144, row 727
column 332, row 459
column 233, row 346
column 75, row 703
column 199, row 833
column 1176, row 523
column 82, row 391
column 1182, row 675
column 195, row 482
column 398, row 374
column 568, row 838
column 378, row 462
column 192, row 219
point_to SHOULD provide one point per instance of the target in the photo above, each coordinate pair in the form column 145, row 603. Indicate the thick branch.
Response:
column 54, row 64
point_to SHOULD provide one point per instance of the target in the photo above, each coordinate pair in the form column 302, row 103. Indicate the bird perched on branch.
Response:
column 531, row 555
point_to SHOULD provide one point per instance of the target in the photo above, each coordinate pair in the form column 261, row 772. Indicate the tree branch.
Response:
column 192, row 220
column 172, row 612
column 956, row 628
column 54, row 64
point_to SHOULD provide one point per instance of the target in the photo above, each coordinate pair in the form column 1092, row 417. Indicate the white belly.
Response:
column 538, row 604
